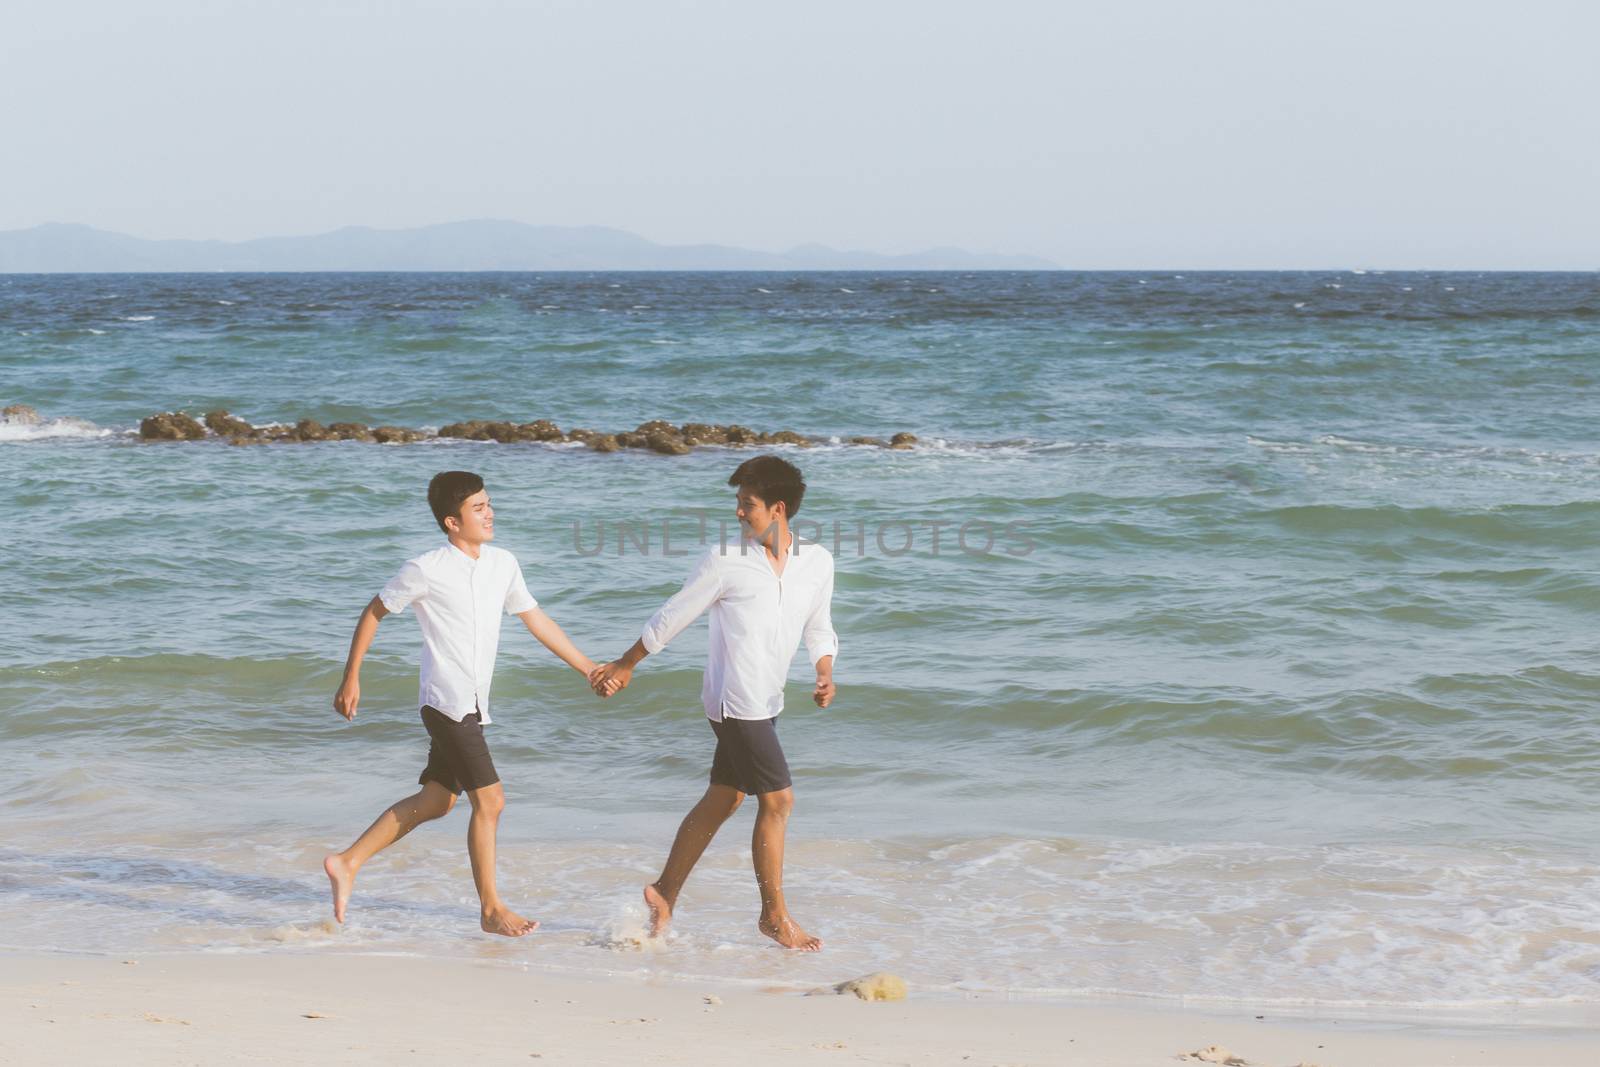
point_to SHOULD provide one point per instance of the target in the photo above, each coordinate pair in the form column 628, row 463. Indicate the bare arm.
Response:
column 349, row 694
column 551, row 636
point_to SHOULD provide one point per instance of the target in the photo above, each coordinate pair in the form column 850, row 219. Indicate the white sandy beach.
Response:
column 297, row 1008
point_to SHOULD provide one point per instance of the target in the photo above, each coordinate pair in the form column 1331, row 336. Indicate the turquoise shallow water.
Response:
column 1282, row 686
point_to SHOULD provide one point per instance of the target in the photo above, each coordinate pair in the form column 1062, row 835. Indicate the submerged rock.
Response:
column 903, row 440
column 704, row 433
column 656, row 426
column 395, row 435
column 308, row 430
column 787, row 437
column 603, row 442
column 20, row 415
column 633, row 439
column 667, row 443
column 171, row 426
column 223, row 424
column 350, row 431
column 876, row 441
column 541, row 430
column 741, row 435
column 481, row 430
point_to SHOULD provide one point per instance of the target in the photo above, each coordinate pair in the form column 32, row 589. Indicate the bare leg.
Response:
column 487, row 804
column 694, row 834
column 766, row 849
column 430, row 802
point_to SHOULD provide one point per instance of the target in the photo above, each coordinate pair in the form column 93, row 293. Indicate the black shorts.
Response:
column 458, row 756
column 748, row 756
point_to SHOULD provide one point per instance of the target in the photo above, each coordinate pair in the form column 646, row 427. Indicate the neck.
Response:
column 471, row 548
column 776, row 542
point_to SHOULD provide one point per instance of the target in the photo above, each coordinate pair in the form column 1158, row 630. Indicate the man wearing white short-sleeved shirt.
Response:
column 764, row 596
column 460, row 592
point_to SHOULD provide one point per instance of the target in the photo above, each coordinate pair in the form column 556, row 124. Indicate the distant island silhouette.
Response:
column 474, row 245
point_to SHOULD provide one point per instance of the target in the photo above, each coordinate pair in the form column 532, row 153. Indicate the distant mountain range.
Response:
column 482, row 244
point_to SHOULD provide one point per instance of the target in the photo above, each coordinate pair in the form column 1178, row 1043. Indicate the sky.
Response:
column 1110, row 135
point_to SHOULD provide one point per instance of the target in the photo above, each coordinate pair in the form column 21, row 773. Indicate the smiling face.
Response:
column 474, row 524
column 756, row 517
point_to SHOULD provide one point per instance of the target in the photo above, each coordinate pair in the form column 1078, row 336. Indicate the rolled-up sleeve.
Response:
column 410, row 584
column 819, row 636
column 518, row 599
column 686, row 605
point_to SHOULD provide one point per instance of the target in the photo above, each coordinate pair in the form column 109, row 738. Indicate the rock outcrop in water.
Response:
column 656, row 435
column 171, row 426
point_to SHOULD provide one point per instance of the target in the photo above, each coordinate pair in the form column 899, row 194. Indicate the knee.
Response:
column 441, row 808
column 489, row 803
column 778, row 804
column 721, row 802
column 424, row 808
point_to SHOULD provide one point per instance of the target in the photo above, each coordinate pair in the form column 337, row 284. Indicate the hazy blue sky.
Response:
column 1115, row 134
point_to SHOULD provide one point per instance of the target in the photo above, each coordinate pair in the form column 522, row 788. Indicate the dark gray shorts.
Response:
column 748, row 756
column 458, row 754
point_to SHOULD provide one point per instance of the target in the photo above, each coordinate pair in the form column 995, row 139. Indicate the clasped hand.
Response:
column 609, row 679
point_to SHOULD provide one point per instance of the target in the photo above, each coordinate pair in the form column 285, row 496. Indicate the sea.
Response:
column 1223, row 638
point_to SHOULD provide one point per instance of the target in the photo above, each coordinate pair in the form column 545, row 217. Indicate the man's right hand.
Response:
column 346, row 699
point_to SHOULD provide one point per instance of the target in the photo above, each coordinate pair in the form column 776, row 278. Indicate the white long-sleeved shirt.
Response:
column 757, row 621
column 459, row 603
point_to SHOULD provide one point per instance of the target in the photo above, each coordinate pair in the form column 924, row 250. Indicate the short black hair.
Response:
column 772, row 479
column 448, row 491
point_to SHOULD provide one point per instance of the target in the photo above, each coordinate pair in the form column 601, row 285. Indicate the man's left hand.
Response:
column 823, row 694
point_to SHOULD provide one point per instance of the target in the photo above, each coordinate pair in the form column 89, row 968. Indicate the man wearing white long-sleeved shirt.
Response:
column 764, row 596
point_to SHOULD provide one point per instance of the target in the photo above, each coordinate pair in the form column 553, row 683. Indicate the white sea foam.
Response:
column 52, row 429
column 1223, row 922
column 761, row 290
column 139, row 318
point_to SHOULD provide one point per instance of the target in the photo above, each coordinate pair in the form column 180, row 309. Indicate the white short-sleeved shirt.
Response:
column 459, row 602
column 757, row 622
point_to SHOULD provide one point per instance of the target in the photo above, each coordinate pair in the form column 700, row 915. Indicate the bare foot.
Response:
column 786, row 933
column 342, row 879
column 507, row 923
column 660, row 910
